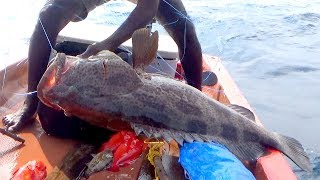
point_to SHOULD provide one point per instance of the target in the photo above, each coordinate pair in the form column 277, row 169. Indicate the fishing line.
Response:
column 4, row 76
column 180, row 13
column 207, row 76
column 20, row 62
column 157, row 69
column 52, row 49
column 184, row 40
column 46, row 34
column 5, row 69
column 167, row 24
column 24, row 94
column 161, row 58
column 185, row 32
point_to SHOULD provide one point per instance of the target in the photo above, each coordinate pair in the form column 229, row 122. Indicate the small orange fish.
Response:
column 116, row 140
column 33, row 170
column 126, row 153
column 126, row 148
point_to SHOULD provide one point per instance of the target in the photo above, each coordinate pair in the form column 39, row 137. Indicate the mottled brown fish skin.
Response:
column 100, row 90
column 103, row 89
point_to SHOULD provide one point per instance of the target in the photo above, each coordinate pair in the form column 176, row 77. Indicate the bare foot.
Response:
column 16, row 121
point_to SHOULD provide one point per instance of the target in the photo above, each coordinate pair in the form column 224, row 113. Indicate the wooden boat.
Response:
column 53, row 151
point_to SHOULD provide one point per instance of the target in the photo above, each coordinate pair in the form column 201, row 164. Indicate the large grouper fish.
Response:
column 103, row 89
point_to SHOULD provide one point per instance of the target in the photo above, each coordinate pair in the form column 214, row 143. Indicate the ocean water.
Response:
column 271, row 48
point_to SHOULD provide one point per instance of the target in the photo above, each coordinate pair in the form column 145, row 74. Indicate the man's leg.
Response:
column 56, row 123
column 173, row 16
column 52, row 19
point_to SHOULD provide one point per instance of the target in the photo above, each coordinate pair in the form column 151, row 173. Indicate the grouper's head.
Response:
column 51, row 78
column 71, row 83
column 65, row 75
column 68, row 79
column 68, row 75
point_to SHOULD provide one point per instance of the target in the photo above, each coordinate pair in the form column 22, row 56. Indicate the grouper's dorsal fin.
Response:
column 144, row 47
column 243, row 111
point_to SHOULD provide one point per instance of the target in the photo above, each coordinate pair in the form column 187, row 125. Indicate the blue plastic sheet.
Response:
column 212, row 161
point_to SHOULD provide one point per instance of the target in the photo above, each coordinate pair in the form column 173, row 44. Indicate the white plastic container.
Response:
column 163, row 66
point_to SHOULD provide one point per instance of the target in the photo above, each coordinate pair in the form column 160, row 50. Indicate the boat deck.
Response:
column 52, row 150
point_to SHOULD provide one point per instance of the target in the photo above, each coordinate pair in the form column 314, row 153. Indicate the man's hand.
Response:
column 138, row 18
column 95, row 48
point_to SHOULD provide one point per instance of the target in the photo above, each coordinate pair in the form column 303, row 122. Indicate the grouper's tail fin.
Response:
column 294, row 150
column 144, row 47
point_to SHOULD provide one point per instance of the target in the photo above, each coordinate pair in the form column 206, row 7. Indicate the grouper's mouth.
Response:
column 52, row 77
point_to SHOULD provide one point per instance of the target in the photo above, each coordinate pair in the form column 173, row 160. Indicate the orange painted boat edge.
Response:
column 272, row 166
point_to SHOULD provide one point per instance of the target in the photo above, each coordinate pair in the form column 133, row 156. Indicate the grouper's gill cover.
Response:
column 104, row 89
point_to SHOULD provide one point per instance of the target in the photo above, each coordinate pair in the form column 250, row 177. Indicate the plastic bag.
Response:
column 126, row 148
column 212, row 161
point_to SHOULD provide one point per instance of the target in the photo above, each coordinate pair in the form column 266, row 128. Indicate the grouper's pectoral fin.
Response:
column 144, row 47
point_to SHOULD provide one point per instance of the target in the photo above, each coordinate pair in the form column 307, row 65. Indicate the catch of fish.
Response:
column 99, row 162
column 103, row 89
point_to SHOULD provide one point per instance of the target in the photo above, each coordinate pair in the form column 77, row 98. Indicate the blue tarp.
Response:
column 212, row 161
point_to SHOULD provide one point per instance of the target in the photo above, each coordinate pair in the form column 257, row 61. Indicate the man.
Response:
column 56, row 14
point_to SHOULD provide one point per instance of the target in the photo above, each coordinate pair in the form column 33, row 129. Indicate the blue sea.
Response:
column 271, row 48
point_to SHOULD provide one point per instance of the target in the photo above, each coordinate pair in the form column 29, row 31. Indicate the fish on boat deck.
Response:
column 103, row 88
column 99, row 162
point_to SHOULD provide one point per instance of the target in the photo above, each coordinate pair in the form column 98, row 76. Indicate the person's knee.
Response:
column 61, row 8
column 190, row 26
column 49, row 9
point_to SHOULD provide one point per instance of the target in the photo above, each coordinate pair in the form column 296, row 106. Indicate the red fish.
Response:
column 116, row 140
column 33, row 170
column 126, row 148
column 126, row 153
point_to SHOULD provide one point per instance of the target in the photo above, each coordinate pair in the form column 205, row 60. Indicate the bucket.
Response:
column 163, row 66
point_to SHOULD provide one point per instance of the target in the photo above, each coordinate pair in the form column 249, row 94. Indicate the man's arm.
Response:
column 139, row 17
column 53, row 17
